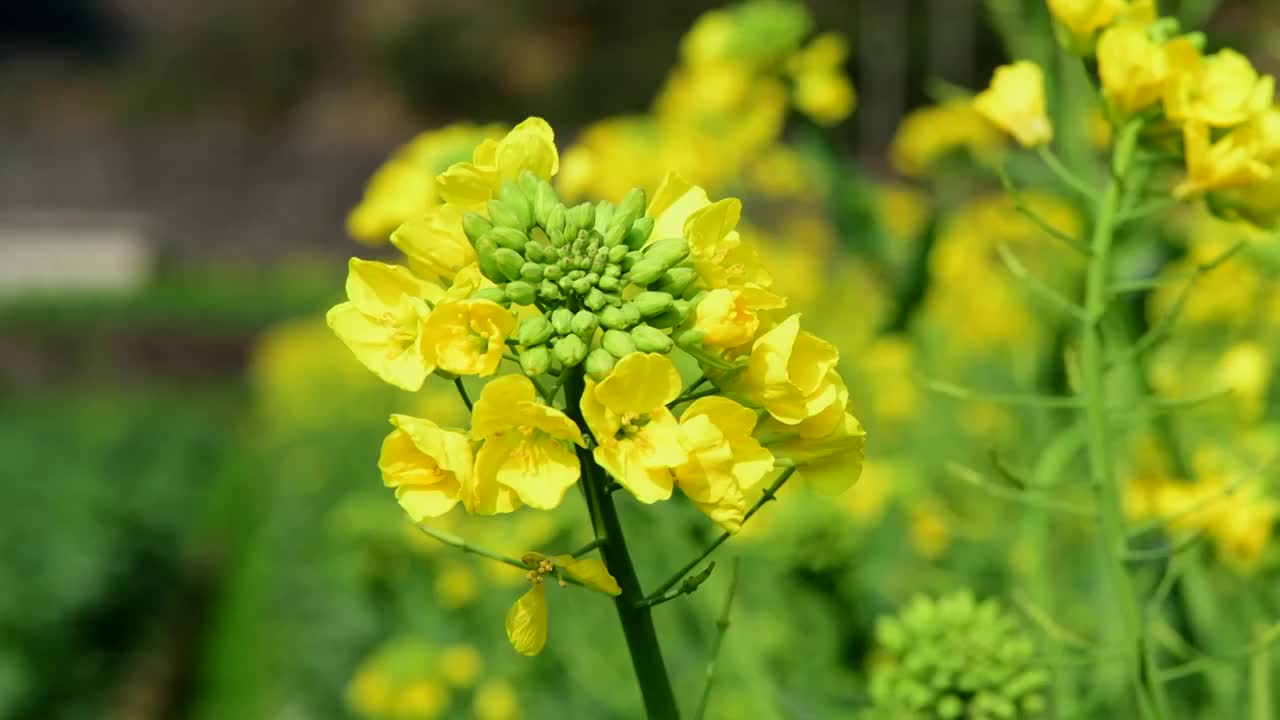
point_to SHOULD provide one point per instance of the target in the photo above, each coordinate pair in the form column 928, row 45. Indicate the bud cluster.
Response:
column 604, row 291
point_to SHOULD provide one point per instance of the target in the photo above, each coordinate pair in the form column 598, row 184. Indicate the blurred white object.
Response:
column 72, row 252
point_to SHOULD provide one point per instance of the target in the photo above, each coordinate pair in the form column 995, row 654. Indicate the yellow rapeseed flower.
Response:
column 529, row 146
column 930, row 133
column 1084, row 18
column 638, row 439
column 792, row 373
column 428, row 466
column 496, row 700
column 1015, row 103
column 822, row 91
column 729, row 318
column 526, row 444
column 1221, row 90
column 1133, row 68
column 467, row 337
column 1230, row 162
column 434, row 243
column 721, row 258
column 460, row 665
column 725, row 462
column 383, row 321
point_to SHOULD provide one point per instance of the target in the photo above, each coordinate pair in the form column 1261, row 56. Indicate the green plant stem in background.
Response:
column 635, row 617
column 1143, row 678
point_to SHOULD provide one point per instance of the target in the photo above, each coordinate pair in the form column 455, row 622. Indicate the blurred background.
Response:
column 190, row 515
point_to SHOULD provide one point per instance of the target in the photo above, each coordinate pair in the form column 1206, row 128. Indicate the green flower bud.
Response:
column 552, row 272
column 528, row 182
column 629, row 210
column 647, row 271
column 691, row 338
column 673, row 316
column 534, row 331
column 616, row 253
column 651, row 339
column 509, row 262
column 639, row 233
column 549, row 290
column 631, row 312
column 570, row 350
column 613, row 318
column 535, row 361
column 592, row 278
column 614, row 238
column 485, row 258
column 582, row 286
column 604, row 213
column 535, row 251
column 613, row 270
column 584, row 324
column 608, row 282
column 555, row 225
column 630, row 259
column 618, row 343
column 492, row 294
column 669, row 252
column 580, row 217
column 501, row 215
column 475, row 225
column 613, row 299
column 521, row 292
column 521, row 204
column 595, row 299
column 544, row 200
column 531, row 272
column 508, row 238
column 651, row 303
column 565, row 283
column 562, row 320
column 676, row 280
column 599, row 363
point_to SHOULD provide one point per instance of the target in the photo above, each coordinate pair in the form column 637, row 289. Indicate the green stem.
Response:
column 636, row 619
column 722, row 626
column 1106, row 489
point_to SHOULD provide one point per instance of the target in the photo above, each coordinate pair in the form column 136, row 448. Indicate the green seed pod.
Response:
column 555, row 224
column 501, row 215
column 647, row 271
column 485, row 258
column 595, row 299
column 599, row 363
column 651, row 339
column 534, row 331
column 669, row 252
column 521, row 292
column 549, row 290
column 531, row 272
column 639, row 233
column 604, row 213
column 544, row 200
column 535, row 251
column 570, row 350
column 492, row 294
column 475, row 225
column 552, row 272
column 615, row 236
column 651, row 303
column 580, row 217
column 584, row 324
column 673, row 316
column 508, row 238
column 676, row 280
column 535, row 361
column 630, row 209
column 514, row 198
column 630, row 313
column 608, row 282
column 618, row 343
column 562, row 320
column 509, row 262
column 613, row 318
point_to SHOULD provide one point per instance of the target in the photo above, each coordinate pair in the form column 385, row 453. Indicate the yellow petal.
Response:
column 707, row 226
column 672, row 204
column 589, row 572
column 639, row 383
column 531, row 146
column 378, row 347
column 629, row 467
column 492, row 411
column 527, row 621
column 435, row 244
column 540, row 473
column 379, row 289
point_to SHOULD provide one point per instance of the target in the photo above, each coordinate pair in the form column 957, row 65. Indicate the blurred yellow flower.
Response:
column 725, row 462
column 456, row 584
column 383, row 321
column 527, row 445
column 638, row 439
column 1084, row 18
column 422, row 700
column 529, row 146
column 460, row 665
column 496, row 700
column 1015, row 103
column 1230, row 162
column 1245, row 368
column 467, row 337
column 928, row 134
column 930, row 531
column 428, row 466
column 370, row 692
column 1221, row 90
column 822, row 91
column 1133, row 68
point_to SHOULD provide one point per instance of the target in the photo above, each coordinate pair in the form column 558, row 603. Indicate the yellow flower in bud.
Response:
column 725, row 462
column 1084, row 18
column 1221, row 90
column 729, row 318
column 428, row 466
column 1230, row 162
column 930, row 133
column 1015, row 103
column 792, row 373
column 821, row 89
column 529, row 146
column 527, row 620
column 383, row 321
column 496, row 700
column 434, row 244
column 526, row 444
column 1134, row 69
column 468, row 337
column 638, row 439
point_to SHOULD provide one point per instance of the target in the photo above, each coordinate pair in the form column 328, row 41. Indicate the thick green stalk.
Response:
column 633, row 614
column 1106, row 489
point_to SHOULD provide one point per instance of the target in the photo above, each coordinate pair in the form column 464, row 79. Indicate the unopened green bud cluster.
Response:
column 955, row 658
column 604, row 289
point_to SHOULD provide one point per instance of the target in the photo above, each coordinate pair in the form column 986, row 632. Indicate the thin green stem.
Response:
column 1106, row 489
column 464, row 546
column 769, row 494
column 722, row 627
column 636, row 619
column 588, row 547
column 1076, row 183
column 462, row 391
